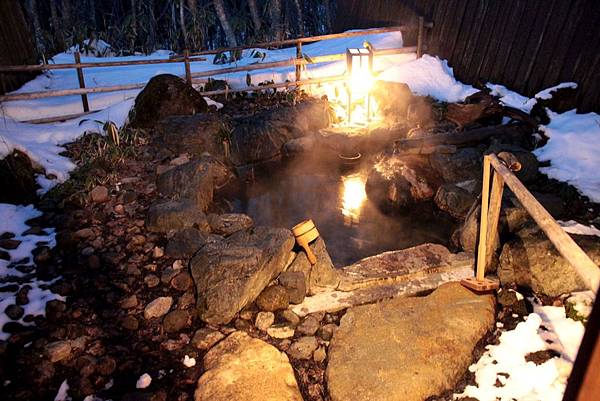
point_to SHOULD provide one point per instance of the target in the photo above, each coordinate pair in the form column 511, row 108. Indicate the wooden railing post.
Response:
column 299, row 57
column 420, row 37
column 84, row 98
column 483, row 227
column 188, row 72
column 493, row 216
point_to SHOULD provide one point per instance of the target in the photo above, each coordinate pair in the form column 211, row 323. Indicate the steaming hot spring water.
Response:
column 323, row 187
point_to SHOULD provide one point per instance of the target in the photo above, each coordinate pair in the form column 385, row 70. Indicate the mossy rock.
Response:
column 165, row 95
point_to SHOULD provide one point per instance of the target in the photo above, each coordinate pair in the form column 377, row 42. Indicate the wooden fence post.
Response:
column 188, row 72
column 483, row 227
column 493, row 216
column 299, row 57
column 84, row 98
column 420, row 37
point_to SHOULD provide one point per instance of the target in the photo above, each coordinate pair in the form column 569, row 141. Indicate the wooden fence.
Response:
column 195, row 77
column 526, row 45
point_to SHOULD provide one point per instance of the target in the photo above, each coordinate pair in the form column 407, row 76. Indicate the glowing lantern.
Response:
column 359, row 69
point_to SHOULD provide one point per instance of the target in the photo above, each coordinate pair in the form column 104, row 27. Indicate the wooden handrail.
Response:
column 577, row 258
column 289, row 42
column 581, row 262
column 44, row 67
column 296, row 61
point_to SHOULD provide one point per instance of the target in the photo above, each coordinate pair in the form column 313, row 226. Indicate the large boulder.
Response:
column 243, row 368
column 260, row 137
column 195, row 180
column 231, row 273
column 407, row 349
column 165, row 95
column 392, row 98
column 398, row 182
column 454, row 200
column 175, row 215
column 192, row 134
column 531, row 260
column 321, row 276
column 464, row 165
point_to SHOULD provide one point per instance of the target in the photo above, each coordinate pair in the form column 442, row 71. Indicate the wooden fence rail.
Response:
column 192, row 77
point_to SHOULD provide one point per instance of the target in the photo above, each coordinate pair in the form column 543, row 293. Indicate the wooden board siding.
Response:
column 526, row 45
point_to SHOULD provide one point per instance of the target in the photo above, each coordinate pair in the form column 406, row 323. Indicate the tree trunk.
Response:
column 300, row 17
column 255, row 16
column 133, row 18
column 37, row 29
column 275, row 13
column 59, row 40
column 92, row 13
column 220, row 9
column 65, row 8
column 327, row 6
column 182, row 23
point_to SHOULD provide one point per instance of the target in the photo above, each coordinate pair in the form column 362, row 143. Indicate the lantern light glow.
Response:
column 359, row 69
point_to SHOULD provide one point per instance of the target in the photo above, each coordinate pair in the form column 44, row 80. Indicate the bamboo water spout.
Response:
column 306, row 232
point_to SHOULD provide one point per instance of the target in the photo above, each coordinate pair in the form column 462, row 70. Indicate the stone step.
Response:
column 411, row 285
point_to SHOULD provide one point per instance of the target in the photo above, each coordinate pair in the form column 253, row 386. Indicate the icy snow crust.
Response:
column 12, row 219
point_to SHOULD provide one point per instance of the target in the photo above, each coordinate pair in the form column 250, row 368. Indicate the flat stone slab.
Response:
column 402, row 265
column 410, row 285
column 407, row 349
column 243, row 368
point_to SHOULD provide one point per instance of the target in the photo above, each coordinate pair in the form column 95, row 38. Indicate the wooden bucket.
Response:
column 306, row 232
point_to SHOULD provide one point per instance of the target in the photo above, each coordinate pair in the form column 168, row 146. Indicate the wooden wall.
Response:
column 527, row 45
column 16, row 44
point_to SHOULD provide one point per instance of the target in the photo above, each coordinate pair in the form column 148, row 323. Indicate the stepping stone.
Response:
column 407, row 349
column 243, row 368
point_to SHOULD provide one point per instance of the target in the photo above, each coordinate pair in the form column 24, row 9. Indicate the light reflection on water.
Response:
column 351, row 225
column 353, row 196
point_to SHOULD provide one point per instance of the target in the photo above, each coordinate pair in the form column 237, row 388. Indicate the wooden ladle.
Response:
column 306, row 232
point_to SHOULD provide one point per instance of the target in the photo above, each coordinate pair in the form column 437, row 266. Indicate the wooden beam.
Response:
column 584, row 381
column 493, row 216
column 44, row 67
column 483, row 226
column 583, row 265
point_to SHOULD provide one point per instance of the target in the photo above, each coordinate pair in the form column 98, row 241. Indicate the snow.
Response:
column 144, row 381
column 62, row 392
column 573, row 150
column 189, row 362
column 13, row 220
column 573, row 227
column 429, row 76
column 510, row 98
column 547, row 328
column 582, row 302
